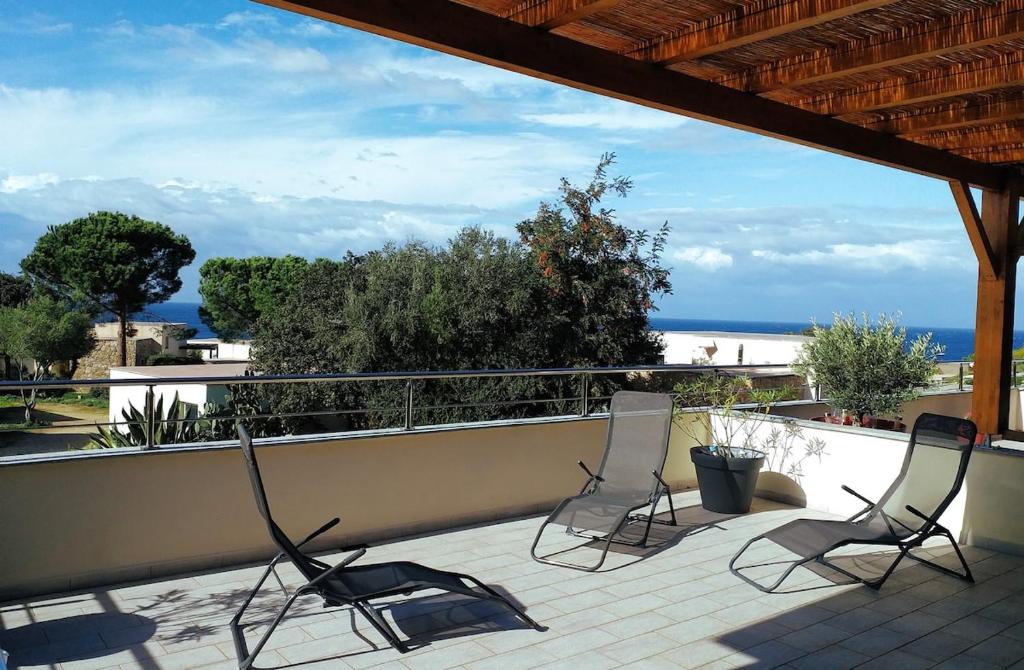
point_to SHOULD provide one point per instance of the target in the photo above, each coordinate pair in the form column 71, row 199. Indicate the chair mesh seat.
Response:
column 363, row 581
column 808, row 538
column 907, row 514
column 598, row 513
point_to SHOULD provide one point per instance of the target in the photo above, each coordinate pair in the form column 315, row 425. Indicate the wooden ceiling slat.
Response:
column 957, row 79
column 550, row 14
column 975, row 138
column 1009, row 153
column 721, row 33
column 952, row 116
column 989, row 24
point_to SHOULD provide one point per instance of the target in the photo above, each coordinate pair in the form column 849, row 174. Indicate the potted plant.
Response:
column 867, row 370
column 726, row 461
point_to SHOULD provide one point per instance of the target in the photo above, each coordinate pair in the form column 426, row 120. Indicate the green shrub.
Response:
column 867, row 368
column 164, row 358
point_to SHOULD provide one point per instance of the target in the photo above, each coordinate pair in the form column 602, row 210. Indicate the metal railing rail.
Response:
column 409, row 408
column 379, row 376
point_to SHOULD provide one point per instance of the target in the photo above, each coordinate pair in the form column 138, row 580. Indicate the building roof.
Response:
column 179, row 371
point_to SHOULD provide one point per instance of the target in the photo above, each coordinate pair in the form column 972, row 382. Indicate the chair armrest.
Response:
column 916, row 512
column 658, row 477
column 328, row 573
column 320, row 531
column 857, row 495
column 589, row 473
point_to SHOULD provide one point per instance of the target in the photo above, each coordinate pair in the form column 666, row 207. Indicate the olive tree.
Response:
column 868, row 368
column 110, row 261
column 43, row 331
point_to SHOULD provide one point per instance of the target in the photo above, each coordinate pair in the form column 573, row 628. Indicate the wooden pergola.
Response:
column 931, row 86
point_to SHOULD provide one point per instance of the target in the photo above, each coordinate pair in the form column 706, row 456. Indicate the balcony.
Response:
column 139, row 557
column 673, row 605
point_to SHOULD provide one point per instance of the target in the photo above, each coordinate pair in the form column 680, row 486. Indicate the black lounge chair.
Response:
column 342, row 585
column 629, row 478
column 905, row 516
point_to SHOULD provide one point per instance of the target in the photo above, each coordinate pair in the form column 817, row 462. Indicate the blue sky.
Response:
column 255, row 131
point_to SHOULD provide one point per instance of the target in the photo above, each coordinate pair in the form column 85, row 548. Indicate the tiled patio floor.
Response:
column 673, row 605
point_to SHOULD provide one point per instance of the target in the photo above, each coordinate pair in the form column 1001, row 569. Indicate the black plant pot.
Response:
column 727, row 483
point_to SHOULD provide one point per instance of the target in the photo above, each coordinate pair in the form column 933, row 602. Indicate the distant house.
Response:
column 213, row 349
column 145, row 339
column 196, row 394
column 725, row 348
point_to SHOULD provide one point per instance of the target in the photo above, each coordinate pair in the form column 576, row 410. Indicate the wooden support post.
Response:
column 993, row 330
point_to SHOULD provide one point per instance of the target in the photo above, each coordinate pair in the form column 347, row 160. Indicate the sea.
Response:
column 959, row 342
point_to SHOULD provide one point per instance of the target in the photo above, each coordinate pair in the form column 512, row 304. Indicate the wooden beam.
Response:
column 950, row 116
column 550, row 14
column 463, row 31
column 975, row 137
column 1020, row 238
column 983, row 26
column 975, row 230
column 993, row 330
column 728, row 31
column 948, row 82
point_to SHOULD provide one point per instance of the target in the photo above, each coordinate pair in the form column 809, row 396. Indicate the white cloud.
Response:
column 168, row 135
column 20, row 182
column 707, row 258
column 35, row 24
column 620, row 116
column 919, row 254
column 234, row 222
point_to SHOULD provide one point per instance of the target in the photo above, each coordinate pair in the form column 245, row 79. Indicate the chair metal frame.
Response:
column 660, row 488
column 319, row 575
column 915, row 536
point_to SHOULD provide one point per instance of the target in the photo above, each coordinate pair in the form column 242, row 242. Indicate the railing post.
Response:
column 960, row 381
column 1014, row 382
column 150, row 418
column 817, row 392
column 585, row 397
column 408, row 405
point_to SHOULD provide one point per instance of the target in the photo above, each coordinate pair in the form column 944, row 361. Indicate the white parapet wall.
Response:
column 984, row 514
column 723, row 348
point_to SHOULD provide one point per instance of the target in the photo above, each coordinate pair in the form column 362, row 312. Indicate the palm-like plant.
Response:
column 177, row 425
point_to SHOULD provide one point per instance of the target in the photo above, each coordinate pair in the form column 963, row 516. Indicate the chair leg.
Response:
column 966, row 575
column 607, row 539
column 671, row 507
column 246, row 659
column 494, row 595
column 765, row 589
column 382, row 627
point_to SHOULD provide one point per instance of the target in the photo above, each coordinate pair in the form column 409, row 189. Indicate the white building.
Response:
column 166, row 336
column 195, row 394
column 213, row 349
column 724, row 348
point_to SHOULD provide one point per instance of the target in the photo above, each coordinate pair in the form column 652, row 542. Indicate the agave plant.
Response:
column 175, row 426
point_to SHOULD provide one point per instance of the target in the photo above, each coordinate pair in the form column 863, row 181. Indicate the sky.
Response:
column 258, row 132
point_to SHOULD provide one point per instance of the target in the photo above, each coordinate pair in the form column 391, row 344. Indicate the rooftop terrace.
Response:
column 673, row 604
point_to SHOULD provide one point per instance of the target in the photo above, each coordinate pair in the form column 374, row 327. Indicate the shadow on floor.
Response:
column 75, row 638
column 690, row 521
column 919, row 618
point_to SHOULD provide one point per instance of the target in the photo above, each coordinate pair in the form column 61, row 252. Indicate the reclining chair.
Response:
column 342, row 585
column 905, row 516
column 628, row 479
